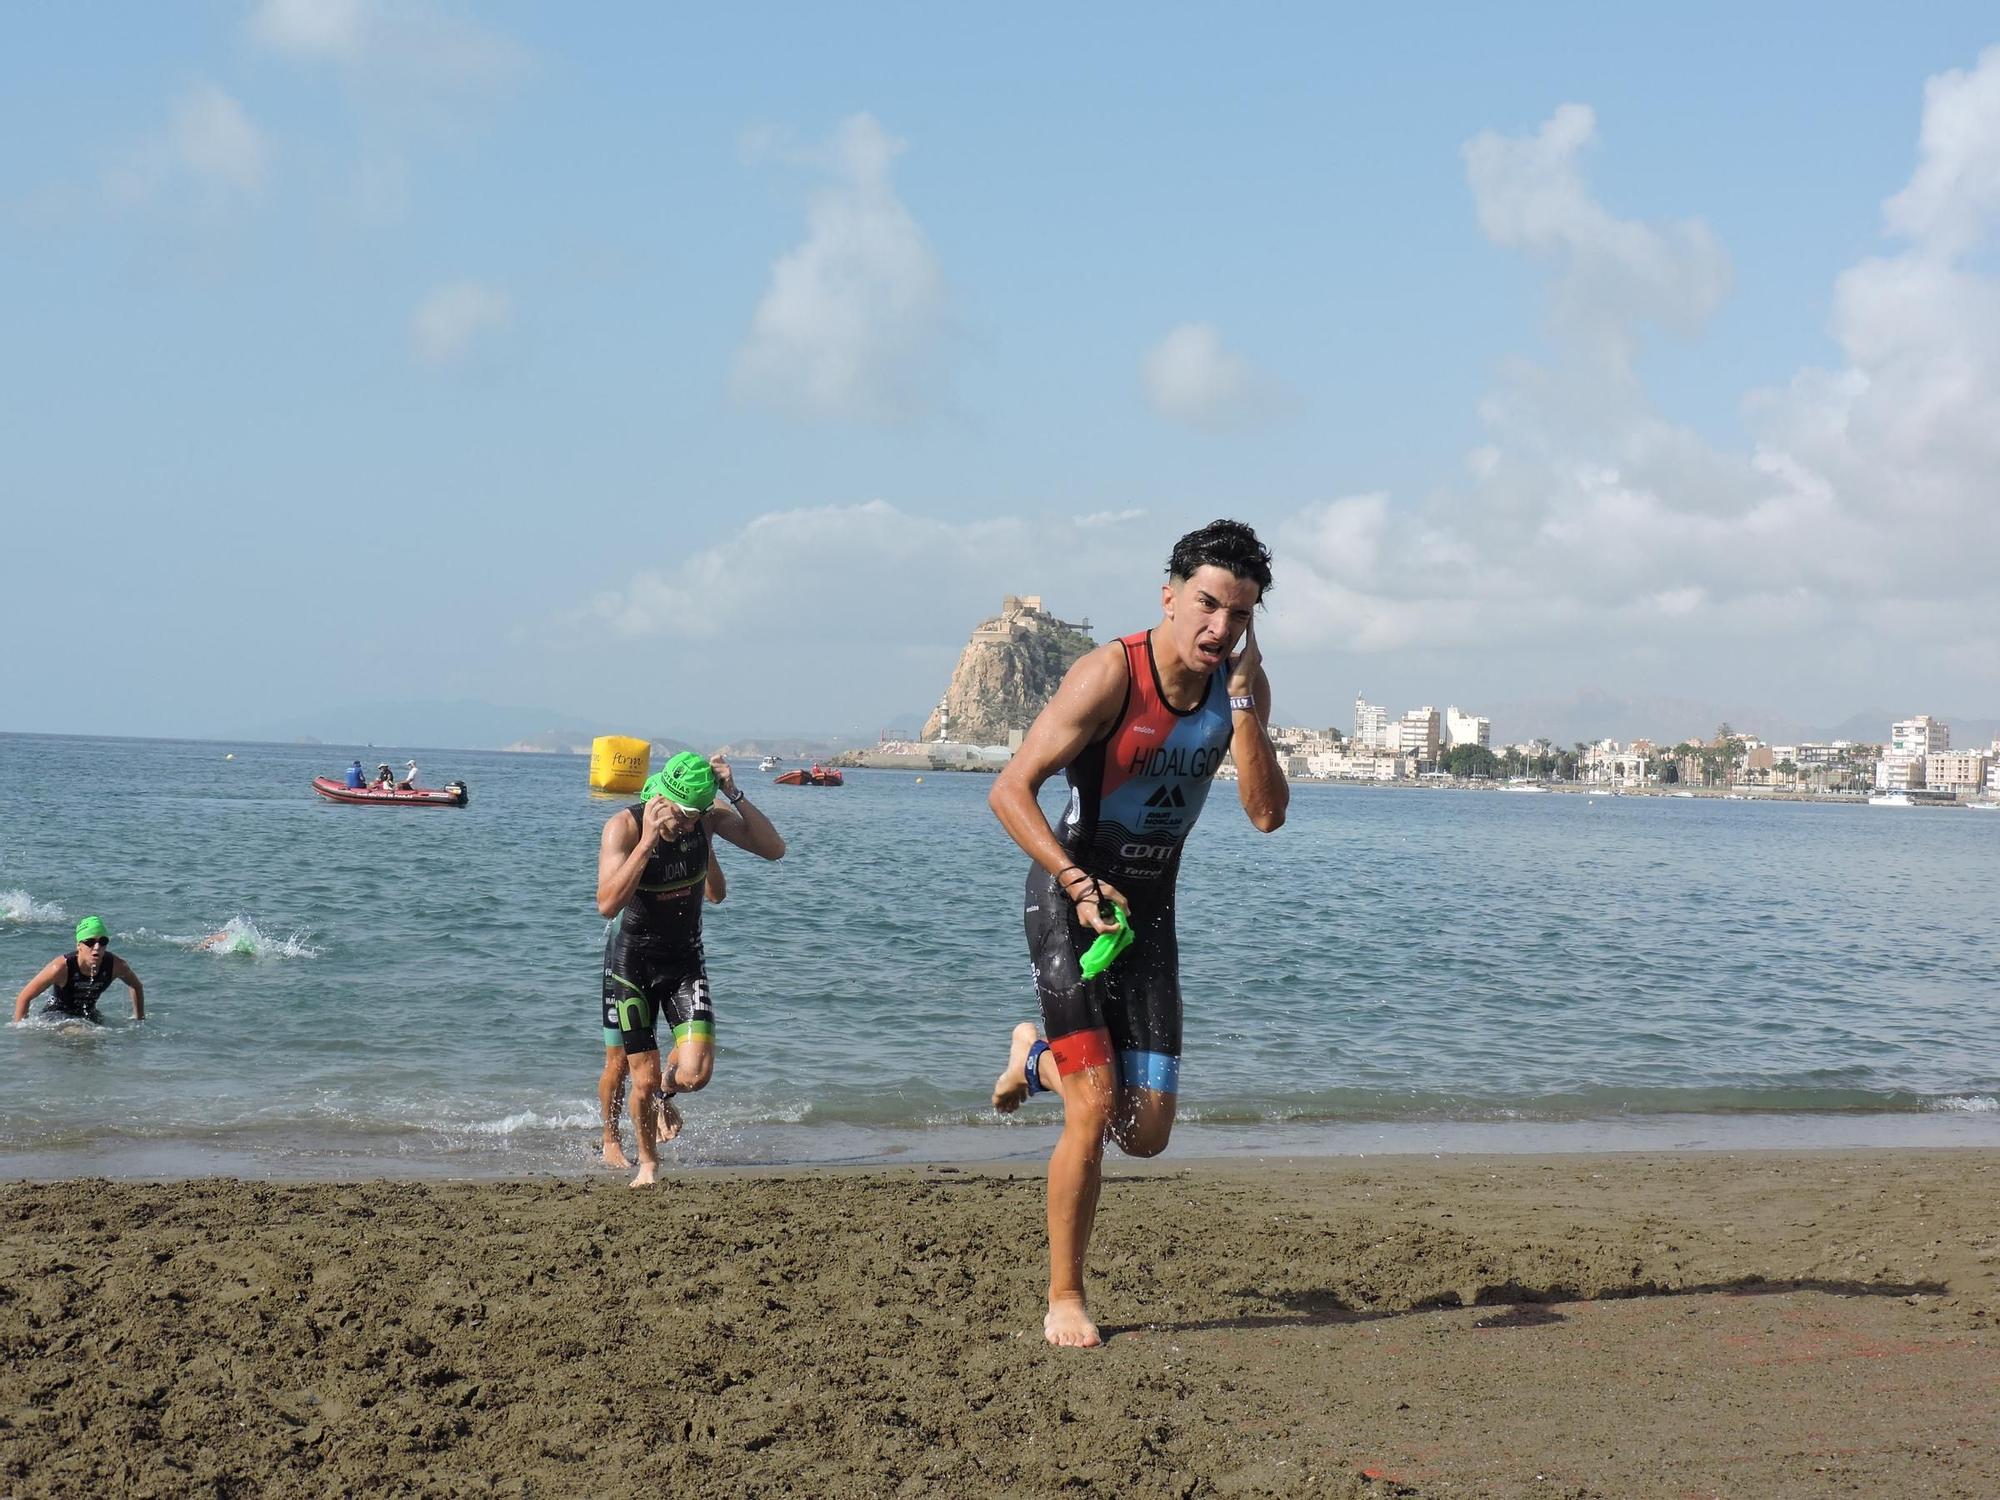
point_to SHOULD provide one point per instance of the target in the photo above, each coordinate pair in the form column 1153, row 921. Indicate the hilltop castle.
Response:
column 1007, row 673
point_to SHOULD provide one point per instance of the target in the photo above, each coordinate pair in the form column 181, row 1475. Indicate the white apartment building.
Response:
column 1922, row 735
column 1911, row 741
column 1466, row 729
column 1371, row 725
column 1416, row 734
column 1958, row 771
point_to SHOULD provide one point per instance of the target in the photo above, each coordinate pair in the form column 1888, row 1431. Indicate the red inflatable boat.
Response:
column 817, row 776
column 451, row 794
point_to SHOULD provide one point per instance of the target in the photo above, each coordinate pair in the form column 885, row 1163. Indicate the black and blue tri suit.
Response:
column 1134, row 797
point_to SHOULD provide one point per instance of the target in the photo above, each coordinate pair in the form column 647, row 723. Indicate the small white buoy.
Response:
column 920, row 781
column 230, row 756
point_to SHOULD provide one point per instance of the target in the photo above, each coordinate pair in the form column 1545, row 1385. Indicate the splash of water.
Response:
column 19, row 906
column 1967, row 1104
column 240, row 936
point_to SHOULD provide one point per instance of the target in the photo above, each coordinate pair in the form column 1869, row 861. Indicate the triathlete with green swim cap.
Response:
column 80, row 978
column 652, row 865
column 611, row 1082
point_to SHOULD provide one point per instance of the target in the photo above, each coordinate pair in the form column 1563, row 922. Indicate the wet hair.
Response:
column 1229, row 545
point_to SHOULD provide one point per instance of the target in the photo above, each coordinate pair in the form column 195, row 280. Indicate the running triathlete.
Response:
column 1139, row 726
column 652, row 866
column 80, row 979
column 611, row 1082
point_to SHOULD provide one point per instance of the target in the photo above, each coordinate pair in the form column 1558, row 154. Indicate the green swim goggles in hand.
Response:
column 1099, row 955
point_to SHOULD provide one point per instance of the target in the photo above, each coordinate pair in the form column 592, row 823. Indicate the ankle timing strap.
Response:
column 1035, row 1084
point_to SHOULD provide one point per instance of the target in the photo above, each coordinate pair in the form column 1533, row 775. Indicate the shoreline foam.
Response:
column 323, row 1154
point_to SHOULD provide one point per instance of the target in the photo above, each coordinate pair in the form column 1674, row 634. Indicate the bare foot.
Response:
column 1011, row 1087
column 614, row 1152
column 1068, row 1325
column 645, row 1177
column 668, row 1118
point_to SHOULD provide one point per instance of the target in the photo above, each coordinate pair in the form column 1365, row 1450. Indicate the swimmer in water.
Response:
column 79, row 979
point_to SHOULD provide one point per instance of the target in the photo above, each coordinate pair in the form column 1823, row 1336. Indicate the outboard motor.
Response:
column 457, row 790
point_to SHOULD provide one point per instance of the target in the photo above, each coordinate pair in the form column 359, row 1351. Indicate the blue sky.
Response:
column 715, row 374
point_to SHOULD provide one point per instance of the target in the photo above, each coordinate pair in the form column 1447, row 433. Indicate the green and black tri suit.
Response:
column 653, row 960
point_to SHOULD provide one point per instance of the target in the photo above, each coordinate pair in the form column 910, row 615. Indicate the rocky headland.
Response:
column 1007, row 673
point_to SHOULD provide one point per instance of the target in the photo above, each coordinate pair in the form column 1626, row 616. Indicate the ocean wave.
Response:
column 1966, row 1104
column 19, row 906
column 526, row 1120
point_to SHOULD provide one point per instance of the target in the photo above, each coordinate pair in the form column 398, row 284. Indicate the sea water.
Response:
column 336, row 990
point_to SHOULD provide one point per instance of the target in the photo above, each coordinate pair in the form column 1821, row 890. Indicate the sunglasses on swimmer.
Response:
column 97, row 942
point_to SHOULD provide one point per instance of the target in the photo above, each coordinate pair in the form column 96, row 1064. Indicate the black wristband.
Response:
column 735, row 795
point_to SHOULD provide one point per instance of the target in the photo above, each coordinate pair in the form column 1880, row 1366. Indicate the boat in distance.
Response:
column 451, row 794
column 811, row 776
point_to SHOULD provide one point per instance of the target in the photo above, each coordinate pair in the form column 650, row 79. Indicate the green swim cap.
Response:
column 686, row 781
column 91, row 927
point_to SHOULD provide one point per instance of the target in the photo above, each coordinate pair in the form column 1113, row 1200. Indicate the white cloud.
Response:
column 839, row 616
column 449, row 321
column 312, row 28
column 215, row 140
column 1858, row 528
column 404, row 42
column 862, row 573
column 1098, row 519
column 1950, row 201
column 209, row 144
column 1190, row 377
column 852, row 323
column 1530, row 194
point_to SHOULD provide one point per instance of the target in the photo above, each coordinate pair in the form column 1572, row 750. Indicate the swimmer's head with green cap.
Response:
column 91, row 927
column 686, row 781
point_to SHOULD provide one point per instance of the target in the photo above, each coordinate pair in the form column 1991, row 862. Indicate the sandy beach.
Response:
column 1617, row 1326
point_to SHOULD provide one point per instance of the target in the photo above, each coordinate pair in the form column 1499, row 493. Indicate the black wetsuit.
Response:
column 653, row 960
column 76, row 993
column 1134, row 797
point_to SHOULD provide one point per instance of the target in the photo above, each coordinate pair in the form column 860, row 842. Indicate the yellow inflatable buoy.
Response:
column 920, row 781
column 619, row 764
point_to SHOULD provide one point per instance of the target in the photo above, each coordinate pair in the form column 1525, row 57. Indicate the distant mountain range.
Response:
column 461, row 724
column 470, row 724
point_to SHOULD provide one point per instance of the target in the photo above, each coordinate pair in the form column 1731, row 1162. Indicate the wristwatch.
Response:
column 735, row 795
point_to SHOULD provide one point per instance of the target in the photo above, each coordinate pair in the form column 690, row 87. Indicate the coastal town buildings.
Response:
column 1422, row 744
column 1959, row 771
column 1371, row 725
column 1610, row 763
column 1461, row 728
column 1417, row 735
column 1911, row 741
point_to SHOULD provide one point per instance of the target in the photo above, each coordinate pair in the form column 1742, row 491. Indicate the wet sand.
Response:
column 1619, row 1326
